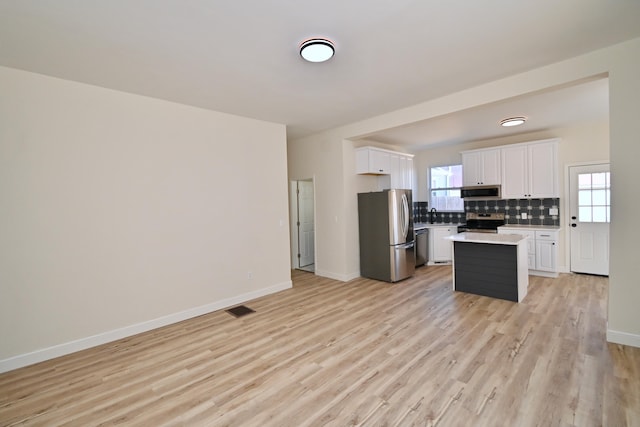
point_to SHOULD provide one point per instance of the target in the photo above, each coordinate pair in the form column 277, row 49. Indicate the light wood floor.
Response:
column 359, row 353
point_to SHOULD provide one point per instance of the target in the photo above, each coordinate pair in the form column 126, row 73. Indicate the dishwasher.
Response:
column 421, row 238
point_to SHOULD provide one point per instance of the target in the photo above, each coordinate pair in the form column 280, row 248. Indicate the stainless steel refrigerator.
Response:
column 386, row 235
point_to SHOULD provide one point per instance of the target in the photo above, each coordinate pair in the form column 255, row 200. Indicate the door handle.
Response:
column 405, row 246
column 574, row 225
column 573, row 217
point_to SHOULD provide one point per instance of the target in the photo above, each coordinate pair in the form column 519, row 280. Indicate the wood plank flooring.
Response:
column 362, row 353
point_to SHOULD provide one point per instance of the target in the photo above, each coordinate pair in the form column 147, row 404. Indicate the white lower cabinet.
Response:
column 531, row 244
column 440, row 250
column 547, row 251
column 542, row 248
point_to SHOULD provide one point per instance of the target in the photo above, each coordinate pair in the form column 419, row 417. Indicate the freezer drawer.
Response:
column 403, row 261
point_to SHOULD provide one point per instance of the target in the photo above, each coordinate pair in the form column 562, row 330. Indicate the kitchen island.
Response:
column 493, row 265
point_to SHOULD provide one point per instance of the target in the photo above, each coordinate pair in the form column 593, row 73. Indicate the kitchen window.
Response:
column 444, row 188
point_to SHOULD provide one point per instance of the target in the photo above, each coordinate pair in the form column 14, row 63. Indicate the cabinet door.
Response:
column 471, row 169
column 481, row 168
column 442, row 248
column 542, row 170
column 490, row 167
column 546, row 255
column 380, row 162
column 395, row 171
column 408, row 176
column 372, row 161
column 514, row 173
column 531, row 243
column 402, row 172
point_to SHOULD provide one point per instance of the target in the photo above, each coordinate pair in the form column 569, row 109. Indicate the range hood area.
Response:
column 481, row 192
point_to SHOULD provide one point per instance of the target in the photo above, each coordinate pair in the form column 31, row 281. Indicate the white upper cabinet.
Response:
column 514, row 172
column 481, row 167
column 543, row 169
column 376, row 161
column 408, row 181
column 530, row 170
column 395, row 170
column 371, row 160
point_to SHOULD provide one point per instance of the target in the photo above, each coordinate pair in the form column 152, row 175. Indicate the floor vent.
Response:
column 239, row 311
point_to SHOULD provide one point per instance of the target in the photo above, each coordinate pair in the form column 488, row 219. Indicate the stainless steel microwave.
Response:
column 481, row 192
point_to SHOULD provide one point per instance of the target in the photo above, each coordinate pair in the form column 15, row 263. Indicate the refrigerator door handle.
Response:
column 405, row 216
column 405, row 246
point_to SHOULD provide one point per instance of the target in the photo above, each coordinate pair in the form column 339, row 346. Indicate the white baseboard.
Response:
column 116, row 334
column 352, row 276
column 623, row 338
column 542, row 273
column 337, row 276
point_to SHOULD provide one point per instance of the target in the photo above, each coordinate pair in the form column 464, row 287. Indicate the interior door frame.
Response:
column 566, row 209
column 293, row 226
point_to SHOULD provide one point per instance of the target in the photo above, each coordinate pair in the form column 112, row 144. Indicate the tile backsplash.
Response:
column 420, row 211
column 421, row 214
column 537, row 211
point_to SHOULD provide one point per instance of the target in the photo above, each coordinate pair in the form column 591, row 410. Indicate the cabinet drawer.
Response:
column 546, row 235
column 531, row 234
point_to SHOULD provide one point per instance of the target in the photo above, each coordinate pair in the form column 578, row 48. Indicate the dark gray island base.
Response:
column 491, row 266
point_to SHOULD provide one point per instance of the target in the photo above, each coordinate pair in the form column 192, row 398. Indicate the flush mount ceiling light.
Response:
column 513, row 121
column 317, row 50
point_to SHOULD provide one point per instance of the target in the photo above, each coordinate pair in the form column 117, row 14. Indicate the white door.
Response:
column 306, row 229
column 590, row 210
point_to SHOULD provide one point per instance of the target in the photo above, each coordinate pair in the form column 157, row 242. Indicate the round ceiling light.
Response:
column 513, row 121
column 317, row 50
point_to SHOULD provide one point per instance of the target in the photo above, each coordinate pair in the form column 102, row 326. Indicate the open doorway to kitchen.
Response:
column 590, row 215
column 303, row 225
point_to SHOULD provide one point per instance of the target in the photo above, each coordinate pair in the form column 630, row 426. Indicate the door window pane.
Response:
column 584, row 180
column 599, row 214
column 584, row 213
column 594, row 197
column 599, row 180
column 584, row 197
column 599, row 197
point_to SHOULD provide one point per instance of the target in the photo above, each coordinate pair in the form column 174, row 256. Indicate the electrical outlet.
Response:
column 523, row 215
column 553, row 211
column 249, row 275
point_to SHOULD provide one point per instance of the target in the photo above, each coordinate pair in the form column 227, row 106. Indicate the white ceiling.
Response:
column 241, row 57
column 579, row 103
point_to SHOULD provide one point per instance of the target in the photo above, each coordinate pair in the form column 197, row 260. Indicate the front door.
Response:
column 590, row 210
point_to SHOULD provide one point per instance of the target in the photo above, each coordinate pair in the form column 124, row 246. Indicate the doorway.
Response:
column 590, row 215
column 303, row 225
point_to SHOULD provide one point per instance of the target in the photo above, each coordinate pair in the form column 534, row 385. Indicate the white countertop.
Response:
column 532, row 227
column 491, row 238
column 421, row 225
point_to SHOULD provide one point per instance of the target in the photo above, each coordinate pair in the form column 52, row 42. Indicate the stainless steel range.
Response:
column 482, row 222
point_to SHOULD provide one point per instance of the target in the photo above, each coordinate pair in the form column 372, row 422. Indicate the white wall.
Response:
column 620, row 62
column 120, row 213
column 585, row 142
column 321, row 157
column 624, row 105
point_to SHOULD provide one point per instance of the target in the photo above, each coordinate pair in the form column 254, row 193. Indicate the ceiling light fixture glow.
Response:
column 513, row 121
column 317, row 50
